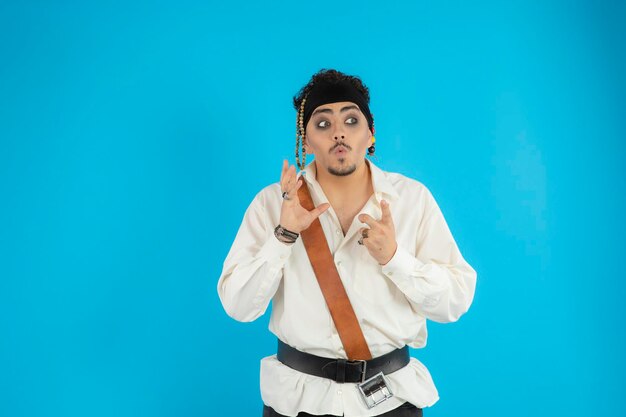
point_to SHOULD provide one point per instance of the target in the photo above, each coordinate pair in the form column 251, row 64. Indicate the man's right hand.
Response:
column 293, row 216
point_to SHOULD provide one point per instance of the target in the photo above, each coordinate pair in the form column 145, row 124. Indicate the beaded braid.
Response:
column 300, row 136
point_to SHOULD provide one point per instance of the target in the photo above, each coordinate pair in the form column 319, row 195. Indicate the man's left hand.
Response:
column 380, row 237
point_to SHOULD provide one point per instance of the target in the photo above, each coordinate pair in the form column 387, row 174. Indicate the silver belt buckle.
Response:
column 375, row 390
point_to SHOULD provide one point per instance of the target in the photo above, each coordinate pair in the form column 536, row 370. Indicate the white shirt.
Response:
column 427, row 278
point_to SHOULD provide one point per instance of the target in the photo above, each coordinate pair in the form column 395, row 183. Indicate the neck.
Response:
column 341, row 189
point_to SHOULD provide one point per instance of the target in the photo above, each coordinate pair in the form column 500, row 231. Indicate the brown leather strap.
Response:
column 330, row 283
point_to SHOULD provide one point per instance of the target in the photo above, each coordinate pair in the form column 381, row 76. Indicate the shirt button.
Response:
column 338, row 231
column 338, row 263
column 339, row 392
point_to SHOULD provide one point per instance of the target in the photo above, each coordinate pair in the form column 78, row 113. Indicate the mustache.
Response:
column 338, row 144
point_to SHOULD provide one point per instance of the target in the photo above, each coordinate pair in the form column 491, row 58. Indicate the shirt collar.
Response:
column 383, row 188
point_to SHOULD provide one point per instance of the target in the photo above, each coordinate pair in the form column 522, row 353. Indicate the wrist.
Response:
column 288, row 224
column 390, row 257
column 285, row 235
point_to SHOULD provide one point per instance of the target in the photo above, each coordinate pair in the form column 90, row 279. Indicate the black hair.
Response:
column 330, row 75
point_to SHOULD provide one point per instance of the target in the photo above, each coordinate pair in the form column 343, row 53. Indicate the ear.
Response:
column 305, row 144
column 307, row 148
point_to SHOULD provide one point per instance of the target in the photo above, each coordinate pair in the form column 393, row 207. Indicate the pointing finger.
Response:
column 387, row 219
column 292, row 174
column 287, row 181
column 283, row 171
column 284, row 168
column 369, row 220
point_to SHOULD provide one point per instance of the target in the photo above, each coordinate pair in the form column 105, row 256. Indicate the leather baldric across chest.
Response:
column 330, row 283
column 375, row 389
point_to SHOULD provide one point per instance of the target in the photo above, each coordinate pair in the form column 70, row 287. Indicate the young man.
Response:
column 389, row 246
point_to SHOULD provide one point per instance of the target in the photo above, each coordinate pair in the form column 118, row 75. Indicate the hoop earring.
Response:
column 372, row 149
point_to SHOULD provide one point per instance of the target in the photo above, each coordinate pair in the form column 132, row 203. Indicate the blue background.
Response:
column 133, row 137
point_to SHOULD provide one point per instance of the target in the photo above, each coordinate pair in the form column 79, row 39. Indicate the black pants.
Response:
column 405, row 410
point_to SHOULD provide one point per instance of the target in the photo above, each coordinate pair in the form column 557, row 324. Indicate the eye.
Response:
column 323, row 124
column 352, row 120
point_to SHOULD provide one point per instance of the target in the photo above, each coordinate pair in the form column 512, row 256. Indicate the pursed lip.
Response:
column 340, row 150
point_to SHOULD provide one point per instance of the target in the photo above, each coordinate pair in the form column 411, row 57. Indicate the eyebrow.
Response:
column 352, row 106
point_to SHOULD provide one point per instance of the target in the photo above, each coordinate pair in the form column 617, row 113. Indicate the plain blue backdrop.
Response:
column 133, row 135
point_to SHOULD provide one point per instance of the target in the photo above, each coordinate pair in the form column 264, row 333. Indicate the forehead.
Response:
column 337, row 107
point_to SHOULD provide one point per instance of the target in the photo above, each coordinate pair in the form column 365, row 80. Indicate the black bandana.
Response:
column 326, row 92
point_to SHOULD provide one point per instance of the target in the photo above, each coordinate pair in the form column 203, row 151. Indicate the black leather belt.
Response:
column 342, row 370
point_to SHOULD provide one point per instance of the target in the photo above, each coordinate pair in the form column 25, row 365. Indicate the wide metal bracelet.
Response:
column 284, row 235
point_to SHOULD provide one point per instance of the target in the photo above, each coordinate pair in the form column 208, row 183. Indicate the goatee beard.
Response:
column 342, row 172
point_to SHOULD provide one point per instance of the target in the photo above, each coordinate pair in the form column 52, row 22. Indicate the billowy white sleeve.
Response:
column 254, row 265
column 436, row 279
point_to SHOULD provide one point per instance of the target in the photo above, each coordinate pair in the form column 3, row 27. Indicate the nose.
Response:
column 338, row 133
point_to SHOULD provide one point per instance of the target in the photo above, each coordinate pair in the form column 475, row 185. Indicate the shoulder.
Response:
column 403, row 182
column 268, row 199
column 406, row 187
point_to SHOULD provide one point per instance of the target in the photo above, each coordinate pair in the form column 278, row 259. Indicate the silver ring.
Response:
column 286, row 195
column 360, row 241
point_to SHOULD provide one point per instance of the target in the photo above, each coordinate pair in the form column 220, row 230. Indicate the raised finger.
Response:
column 317, row 211
column 284, row 169
column 387, row 219
column 291, row 176
column 369, row 220
column 293, row 191
column 287, row 181
column 284, row 175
